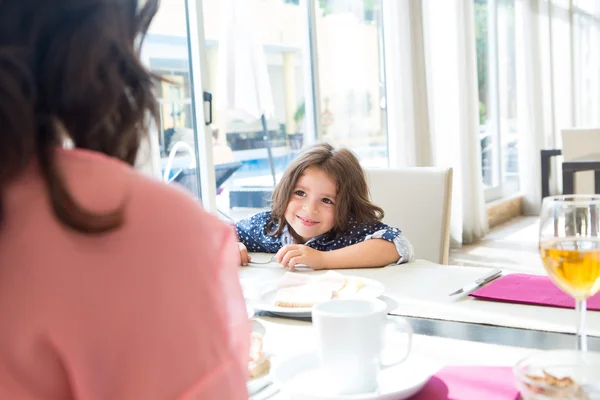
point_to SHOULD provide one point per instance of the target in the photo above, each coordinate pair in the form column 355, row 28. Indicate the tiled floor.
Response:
column 513, row 245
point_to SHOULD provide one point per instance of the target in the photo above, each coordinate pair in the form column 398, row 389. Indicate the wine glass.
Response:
column 570, row 249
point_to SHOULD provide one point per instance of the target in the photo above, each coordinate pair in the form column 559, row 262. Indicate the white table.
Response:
column 285, row 337
column 421, row 289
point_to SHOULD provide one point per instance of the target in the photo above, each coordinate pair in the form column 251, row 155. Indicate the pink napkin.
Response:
column 530, row 289
column 470, row 383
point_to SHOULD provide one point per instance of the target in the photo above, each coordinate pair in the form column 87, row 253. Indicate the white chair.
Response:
column 577, row 143
column 417, row 201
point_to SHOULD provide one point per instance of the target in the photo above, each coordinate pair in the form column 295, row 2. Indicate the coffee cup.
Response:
column 350, row 338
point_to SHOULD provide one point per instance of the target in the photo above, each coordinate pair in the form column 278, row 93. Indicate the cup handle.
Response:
column 400, row 325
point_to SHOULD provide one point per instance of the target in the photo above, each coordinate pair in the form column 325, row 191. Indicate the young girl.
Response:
column 321, row 216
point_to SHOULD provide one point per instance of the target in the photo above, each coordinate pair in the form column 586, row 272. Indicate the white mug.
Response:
column 350, row 339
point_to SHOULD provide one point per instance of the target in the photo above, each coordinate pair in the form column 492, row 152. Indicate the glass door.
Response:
column 174, row 49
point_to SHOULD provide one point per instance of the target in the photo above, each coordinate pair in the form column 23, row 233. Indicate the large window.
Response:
column 165, row 51
column 586, row 41
column 351, row 78
column 246, row 39
column 243, row 39
column 496, row 68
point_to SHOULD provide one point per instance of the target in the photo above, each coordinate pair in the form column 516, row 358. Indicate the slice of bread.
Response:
column 256, row 369
column 353, row 285
column 307, row 295
column 303, row 296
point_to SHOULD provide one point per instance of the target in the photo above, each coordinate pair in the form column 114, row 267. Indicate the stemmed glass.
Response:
column 570, row 249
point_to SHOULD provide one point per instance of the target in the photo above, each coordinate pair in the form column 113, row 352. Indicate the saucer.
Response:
column 299, row 376
column 255, row 385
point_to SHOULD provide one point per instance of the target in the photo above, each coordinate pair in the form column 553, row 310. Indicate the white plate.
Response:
column 301, row 379
column 257, row 384
column 371, row 290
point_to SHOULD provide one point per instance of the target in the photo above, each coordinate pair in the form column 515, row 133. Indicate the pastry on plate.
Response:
column 302, row 291
column 259, row 364
column 560, row 388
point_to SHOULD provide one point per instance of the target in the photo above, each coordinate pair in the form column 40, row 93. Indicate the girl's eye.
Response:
column 300, row 193
column 327, row 201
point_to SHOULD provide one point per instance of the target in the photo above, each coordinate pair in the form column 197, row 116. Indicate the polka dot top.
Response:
column 252, row 232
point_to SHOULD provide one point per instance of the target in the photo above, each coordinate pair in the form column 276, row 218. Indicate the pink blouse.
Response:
column 151, row 311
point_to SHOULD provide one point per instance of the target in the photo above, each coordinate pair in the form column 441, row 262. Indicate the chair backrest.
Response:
column 417, row 201
column 576, row 143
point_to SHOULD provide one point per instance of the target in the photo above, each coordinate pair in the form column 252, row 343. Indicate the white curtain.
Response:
column 558, row 64
column 534, row 112
column 406, row 89
column 433, row 102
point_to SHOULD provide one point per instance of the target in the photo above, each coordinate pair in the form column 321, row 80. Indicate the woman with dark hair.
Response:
column 112, row 286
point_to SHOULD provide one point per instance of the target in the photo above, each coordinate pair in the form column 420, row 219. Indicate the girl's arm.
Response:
column 381, row 246
column 363, row 246
column 370, row 253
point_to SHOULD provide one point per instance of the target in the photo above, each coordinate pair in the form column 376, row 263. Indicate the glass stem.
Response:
column 581, row 306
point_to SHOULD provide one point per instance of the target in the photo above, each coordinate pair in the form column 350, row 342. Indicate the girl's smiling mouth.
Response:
column 307, row 221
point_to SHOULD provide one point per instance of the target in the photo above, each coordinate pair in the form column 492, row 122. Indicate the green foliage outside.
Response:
column 483, row 52
column 325, row 5
column 300, row 113
column 481, row 46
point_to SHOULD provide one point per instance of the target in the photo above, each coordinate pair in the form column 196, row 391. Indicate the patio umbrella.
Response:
column 243, row 87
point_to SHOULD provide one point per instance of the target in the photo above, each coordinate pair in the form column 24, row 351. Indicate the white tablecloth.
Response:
column 286, row 337
column 421, row 289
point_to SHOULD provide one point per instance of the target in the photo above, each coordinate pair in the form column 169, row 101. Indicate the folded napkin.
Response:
column 470, row 383
column 530, row 289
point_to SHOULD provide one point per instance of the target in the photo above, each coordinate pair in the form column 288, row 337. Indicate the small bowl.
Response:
column 581, row 367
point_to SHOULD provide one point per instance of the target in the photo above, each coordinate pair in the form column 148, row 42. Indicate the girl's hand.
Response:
column 245, row 258
column 291, row 255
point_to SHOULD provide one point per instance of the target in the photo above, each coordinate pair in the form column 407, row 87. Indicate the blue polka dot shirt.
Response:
column 252, row 232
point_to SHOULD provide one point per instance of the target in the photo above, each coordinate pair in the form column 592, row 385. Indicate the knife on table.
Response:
column 479, row 282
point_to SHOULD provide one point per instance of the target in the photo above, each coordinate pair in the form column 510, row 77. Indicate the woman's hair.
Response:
column 352, row 199
column 70, row 69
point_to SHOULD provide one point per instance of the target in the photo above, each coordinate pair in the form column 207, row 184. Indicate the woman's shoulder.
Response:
column 101, row 183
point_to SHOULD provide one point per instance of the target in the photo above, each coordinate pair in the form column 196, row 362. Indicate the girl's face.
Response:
column 311, row 209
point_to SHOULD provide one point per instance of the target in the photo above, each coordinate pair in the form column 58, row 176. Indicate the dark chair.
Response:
column 224, row 171
column 187, row 176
